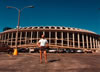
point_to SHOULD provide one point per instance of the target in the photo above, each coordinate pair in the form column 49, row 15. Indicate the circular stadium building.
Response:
column 58, row 37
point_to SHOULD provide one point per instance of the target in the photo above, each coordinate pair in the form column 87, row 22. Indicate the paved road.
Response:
column 56, row 63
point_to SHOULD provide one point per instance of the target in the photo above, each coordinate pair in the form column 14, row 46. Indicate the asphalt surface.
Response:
column 62, row 62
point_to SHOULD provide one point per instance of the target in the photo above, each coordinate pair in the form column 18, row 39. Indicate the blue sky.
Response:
column 82, row 14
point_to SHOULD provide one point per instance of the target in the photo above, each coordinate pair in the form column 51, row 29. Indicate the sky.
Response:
column 83, row 14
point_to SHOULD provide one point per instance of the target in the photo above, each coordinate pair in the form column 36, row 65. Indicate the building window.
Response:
column 58, row 34
column 52, row 34
column 46, row 34
column 39, row 34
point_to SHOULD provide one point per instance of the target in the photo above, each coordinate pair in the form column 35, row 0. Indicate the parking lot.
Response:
column 57, row 62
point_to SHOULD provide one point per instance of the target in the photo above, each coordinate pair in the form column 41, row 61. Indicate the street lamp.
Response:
column 19, row 11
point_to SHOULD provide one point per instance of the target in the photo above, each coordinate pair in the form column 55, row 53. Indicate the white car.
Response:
column 52, row 51
column 79, row 51
column 31, row 50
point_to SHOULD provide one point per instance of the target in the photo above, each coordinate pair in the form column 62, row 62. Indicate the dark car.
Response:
column 60, row 50
column 23, row 50
column 68, row 50
column 5, row 48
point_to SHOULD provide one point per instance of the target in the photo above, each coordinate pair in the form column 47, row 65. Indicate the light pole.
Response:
column 19, row 11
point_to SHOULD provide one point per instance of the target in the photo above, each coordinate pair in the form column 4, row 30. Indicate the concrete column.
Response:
column 73, row 41
column 0, row 37
column 96, row 43
column 5, row 38
column 44, row 32
column 8, row 39
column 20, row 37
column 25, row 37
column 49, row 37
column 31, row 36
column 83, row 40
column 87, row 41
column 37, row 36
column 99, row 44
column 55, row 38
column 93, row 43
column 62, row 38
column 68, row 39
column 78, row 40
column 11, row 38
column 90, row 42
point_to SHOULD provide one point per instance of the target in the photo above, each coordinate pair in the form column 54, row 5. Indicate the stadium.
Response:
column 57, row 36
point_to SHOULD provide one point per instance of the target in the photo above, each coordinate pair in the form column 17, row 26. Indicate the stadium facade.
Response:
column 58, row 37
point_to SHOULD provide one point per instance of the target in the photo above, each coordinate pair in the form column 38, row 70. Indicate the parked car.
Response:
column 23, row 50
column 31, row 50
column 88, row 51
column 60, row 50
column 6, row 48
column 72, row 51
column 69, row 50
column 66, row 50
column 37, row 50
column 52, row 50
column 79, row 51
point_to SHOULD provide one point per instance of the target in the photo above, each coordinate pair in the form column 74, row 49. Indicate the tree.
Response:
column 6, row 28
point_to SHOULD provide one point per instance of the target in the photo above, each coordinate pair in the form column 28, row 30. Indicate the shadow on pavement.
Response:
column 54, row 60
